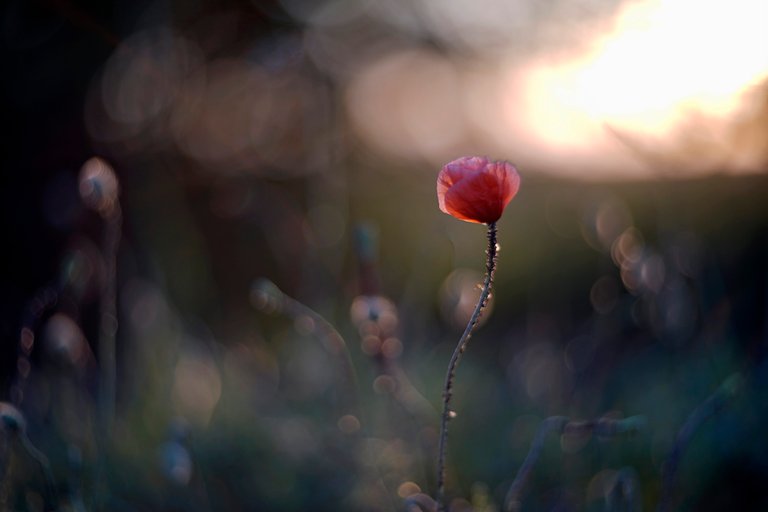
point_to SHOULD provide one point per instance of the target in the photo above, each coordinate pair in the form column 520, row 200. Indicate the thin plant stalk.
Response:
column 12, row 422
column 113, row 221
column 268, row 297
column 51, row 495
column 448, row 414
column 603, row 427
column 335, row 344
column 100, row 190
column 513, row 499
column 43, row 302
column 706, row 410
column 108, row 318
column 404, row 393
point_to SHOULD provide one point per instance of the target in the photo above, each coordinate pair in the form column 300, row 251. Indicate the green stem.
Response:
column 454, row 363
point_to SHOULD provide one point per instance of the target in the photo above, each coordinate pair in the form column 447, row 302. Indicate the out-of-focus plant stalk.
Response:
column 707, row 409
column 13, row 424
column 448, row 414
column 266, row 296
column 603, row 427
column 100, row 190
column 43, row 301
column 108, row 318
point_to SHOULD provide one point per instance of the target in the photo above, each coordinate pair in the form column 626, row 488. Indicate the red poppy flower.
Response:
column 475, row 189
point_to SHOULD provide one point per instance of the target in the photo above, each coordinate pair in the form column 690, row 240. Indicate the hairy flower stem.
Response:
column 454, row 362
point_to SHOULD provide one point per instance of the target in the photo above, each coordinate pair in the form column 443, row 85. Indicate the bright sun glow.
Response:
column 668, row 87
column 660, row 62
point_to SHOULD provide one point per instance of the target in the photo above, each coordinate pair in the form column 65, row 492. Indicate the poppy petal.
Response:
column 475, row 189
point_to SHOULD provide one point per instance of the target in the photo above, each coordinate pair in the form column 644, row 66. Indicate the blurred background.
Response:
column 276, row 164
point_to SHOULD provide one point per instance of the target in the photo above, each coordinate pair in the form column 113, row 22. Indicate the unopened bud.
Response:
column 98, row 186
column 11, row 418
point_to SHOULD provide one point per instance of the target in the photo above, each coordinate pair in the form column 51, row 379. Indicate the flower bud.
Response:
column 99, row 187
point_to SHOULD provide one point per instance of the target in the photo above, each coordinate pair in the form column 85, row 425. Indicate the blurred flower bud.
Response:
column 176, row 462
column 197, row 386
column 64, row 340
column 98, row 186
column 266, row 296
column 11, row 418
column 373, row 314
column 82, row 269
column 366, row 241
